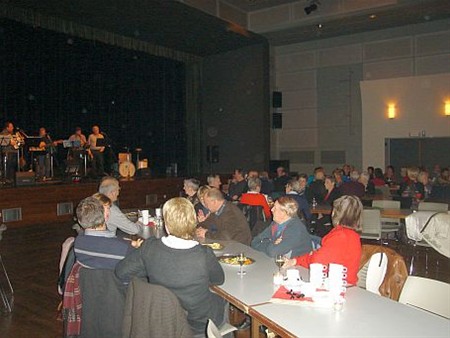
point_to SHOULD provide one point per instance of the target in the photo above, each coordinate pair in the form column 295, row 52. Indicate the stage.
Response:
column 50, row 202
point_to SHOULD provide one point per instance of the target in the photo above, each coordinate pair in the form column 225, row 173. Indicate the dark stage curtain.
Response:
column 57, row 81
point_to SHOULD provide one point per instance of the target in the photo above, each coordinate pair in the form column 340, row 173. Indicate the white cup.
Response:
column 145, row 215
column 336, row 268
column 158, row 212
column 277, row 278
column 317, row 267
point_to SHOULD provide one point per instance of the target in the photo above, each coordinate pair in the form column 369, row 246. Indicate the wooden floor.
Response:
column 31, row 256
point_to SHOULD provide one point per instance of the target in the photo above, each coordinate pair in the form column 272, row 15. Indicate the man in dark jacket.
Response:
column 225, row 220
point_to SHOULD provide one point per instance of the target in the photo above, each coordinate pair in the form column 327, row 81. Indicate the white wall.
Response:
column 320, row 82
column 419, row 102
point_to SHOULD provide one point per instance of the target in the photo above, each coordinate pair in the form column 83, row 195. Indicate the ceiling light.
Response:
column 373, row 16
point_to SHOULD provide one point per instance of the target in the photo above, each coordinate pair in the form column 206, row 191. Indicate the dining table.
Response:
column 364, row 314
column 385, row 213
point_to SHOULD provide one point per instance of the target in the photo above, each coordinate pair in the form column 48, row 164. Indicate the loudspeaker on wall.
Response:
column 277, row 99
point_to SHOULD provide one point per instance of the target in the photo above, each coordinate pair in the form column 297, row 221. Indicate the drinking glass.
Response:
column 279, row 261
column 241, row 260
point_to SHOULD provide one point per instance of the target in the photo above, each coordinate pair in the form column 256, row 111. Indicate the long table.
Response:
column 364, row 314
column 385, row 213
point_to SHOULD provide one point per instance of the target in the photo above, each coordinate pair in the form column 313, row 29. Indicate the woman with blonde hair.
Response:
column 342, row 245
column 180, row 264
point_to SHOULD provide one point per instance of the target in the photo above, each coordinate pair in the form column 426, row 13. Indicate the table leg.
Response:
column 255, row 327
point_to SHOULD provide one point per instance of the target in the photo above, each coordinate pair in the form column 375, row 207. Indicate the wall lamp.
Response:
column 447, row 108
column 392, row 111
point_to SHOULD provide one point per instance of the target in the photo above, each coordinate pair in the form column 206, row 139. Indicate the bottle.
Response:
column 314, row 203
column 159, row 224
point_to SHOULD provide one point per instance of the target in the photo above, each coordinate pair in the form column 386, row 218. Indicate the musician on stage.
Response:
column 96, row 152
column 9, row 150
column 76, row 152
column 44, row 170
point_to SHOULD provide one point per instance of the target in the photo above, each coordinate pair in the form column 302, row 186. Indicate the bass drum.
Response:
column 127, row 169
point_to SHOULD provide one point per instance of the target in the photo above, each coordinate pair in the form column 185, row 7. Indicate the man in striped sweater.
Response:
column 97, row 247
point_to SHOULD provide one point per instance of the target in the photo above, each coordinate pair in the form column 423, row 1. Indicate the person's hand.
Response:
column 289, row 263
column 278, row 240
column 102, row 149
column 137, row 243
column 201, row 217
column 235, row 197
column 201, row 233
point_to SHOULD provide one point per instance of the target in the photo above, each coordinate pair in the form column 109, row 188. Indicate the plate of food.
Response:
column 231, row 259
column 215, row 246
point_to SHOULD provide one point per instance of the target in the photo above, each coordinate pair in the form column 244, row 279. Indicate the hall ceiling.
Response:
column 165, row 23
column 179, row 26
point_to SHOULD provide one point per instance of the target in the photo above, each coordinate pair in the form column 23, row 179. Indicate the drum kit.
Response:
column 127, row 168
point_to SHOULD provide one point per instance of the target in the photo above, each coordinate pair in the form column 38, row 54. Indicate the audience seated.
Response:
column 254, row 196
column 444, row 178
column 287, row 234
column 181, row 265
column 317, row 187
column 214, row 181
column 280, row 181
column 333, row 193
column 109, row 187
column 364, row 179
column 292, row 188
column 353, row 187
column 190, row 188
column 225, row 220
column 323, row 222
column 266, row 183
column 97, row 247
column 425, row 180
column 378, row 179
column 237, row 186
column 200, row 208
column 389, row 175
column 303, row 185
column 337, row 174
column 411, row 188
column 342, row 245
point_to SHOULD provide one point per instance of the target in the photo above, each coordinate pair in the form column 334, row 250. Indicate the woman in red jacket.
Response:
column 342, row 245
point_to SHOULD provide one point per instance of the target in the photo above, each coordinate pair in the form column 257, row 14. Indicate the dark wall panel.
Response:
column 235, row 108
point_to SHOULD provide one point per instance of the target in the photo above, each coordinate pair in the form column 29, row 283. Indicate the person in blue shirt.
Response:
column 287, row 235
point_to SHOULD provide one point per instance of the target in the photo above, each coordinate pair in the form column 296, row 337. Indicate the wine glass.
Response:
column 241, row 260
column 279, row 261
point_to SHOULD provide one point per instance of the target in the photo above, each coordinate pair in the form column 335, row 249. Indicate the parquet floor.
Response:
column 31, row 257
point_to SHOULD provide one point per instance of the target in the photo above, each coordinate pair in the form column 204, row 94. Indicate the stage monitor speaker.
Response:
column 25, row 178
column 212, row 154
column 277, row 99
column 274, row 164
column 277, row 121
column 144, row 172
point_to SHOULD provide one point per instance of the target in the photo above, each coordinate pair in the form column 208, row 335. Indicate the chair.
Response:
column 213, row 332
column 255, row 217
column 396, row 271
column 429, row 206
column 6, row 289
column 153, row 311
column 372, row 274
column 388, row 225
column 383, row 190
column 427, row 294
column 371, row 224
